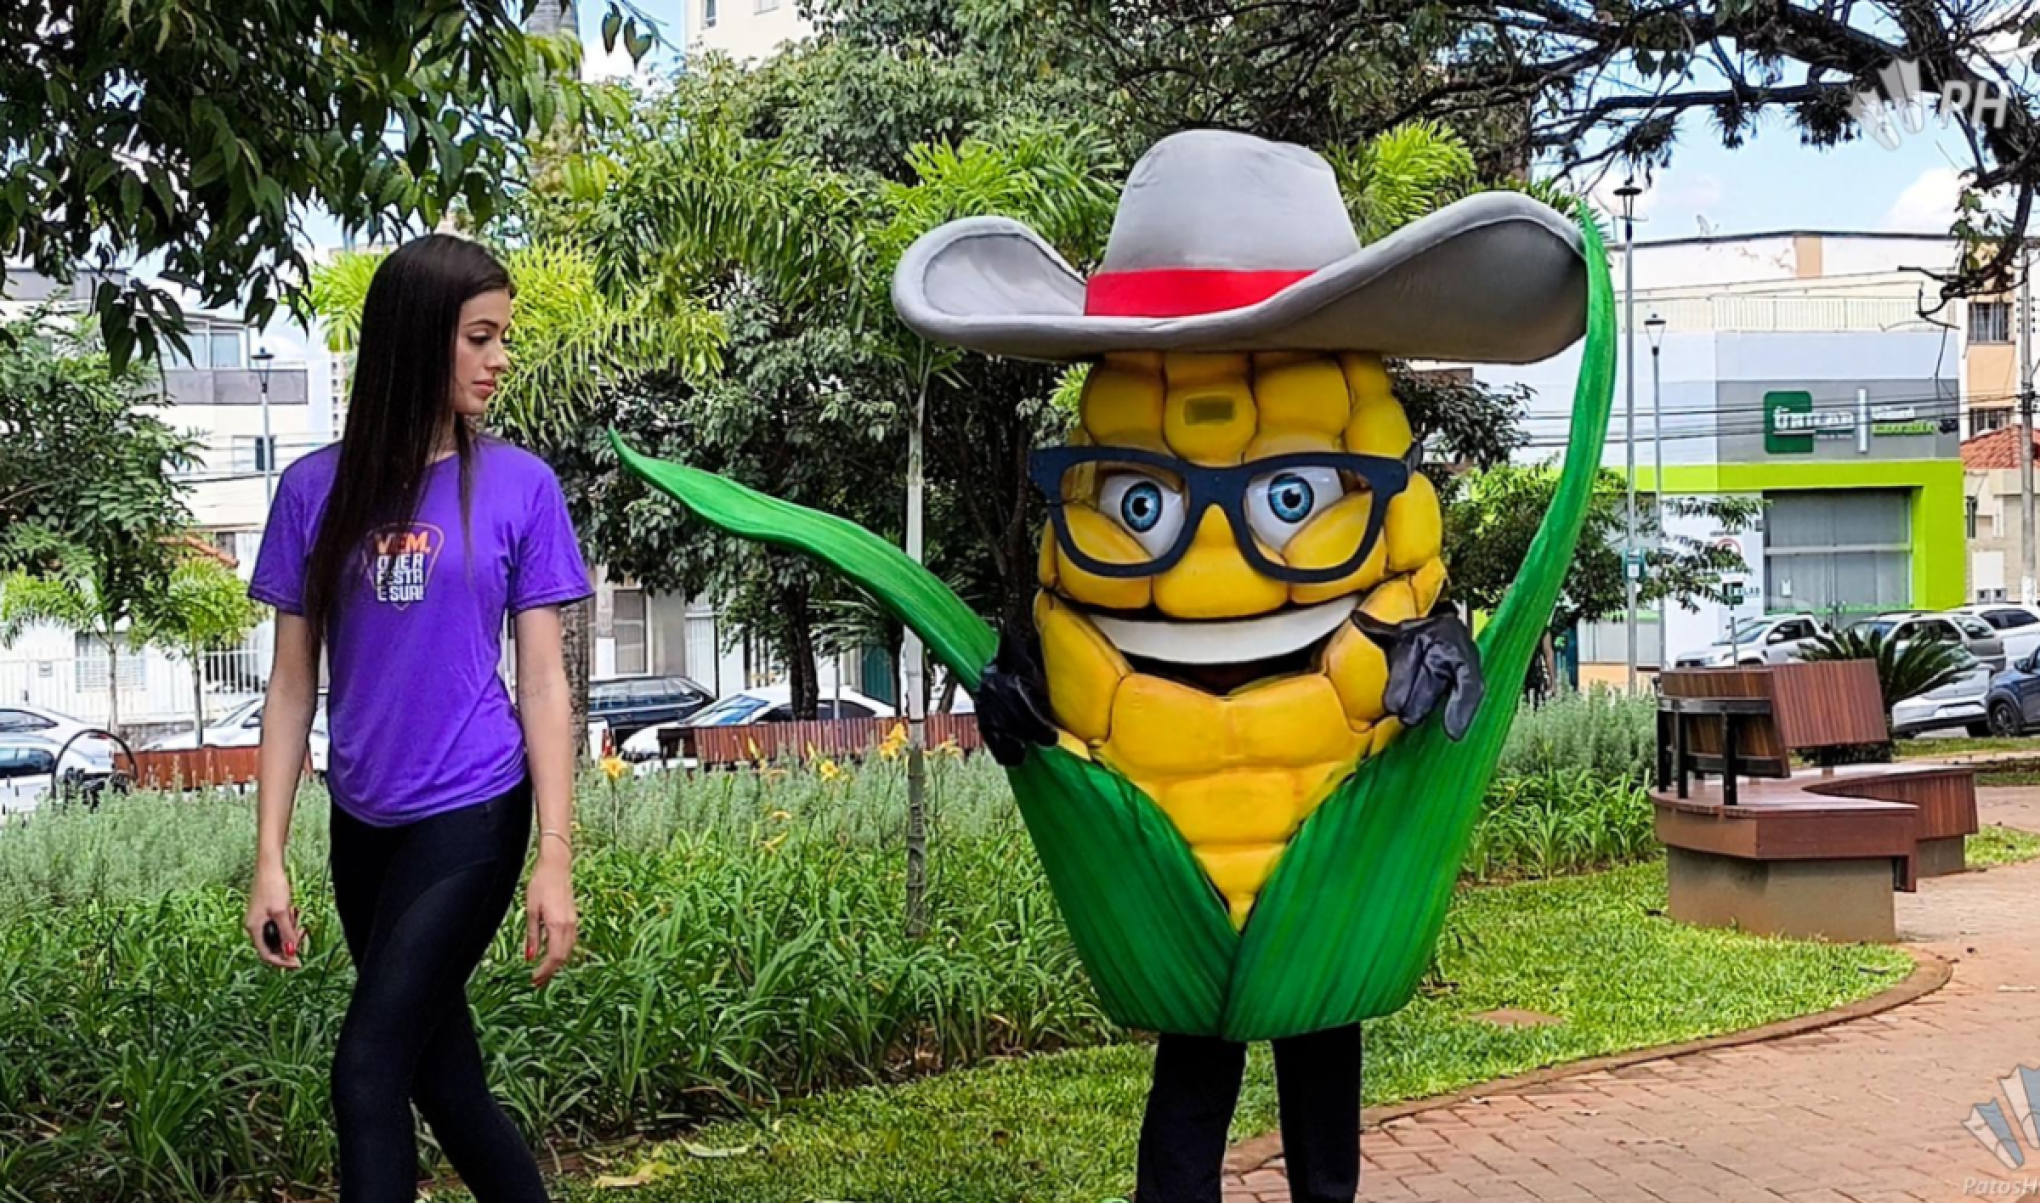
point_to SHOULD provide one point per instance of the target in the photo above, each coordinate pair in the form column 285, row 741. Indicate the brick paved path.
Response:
column 1868, row 1111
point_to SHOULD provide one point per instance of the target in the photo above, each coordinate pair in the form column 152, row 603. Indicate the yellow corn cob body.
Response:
column 1238, row 772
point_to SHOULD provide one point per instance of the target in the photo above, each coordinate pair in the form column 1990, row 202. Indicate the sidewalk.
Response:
column 1868, row 1111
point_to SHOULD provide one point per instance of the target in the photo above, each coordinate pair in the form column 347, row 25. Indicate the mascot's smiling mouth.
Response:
column 1219, row 655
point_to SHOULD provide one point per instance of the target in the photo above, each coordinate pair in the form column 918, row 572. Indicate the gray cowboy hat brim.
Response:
column 1495, row 278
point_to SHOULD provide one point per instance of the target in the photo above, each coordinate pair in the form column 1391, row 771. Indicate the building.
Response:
column 1993, row 514
column 745, row 30
column 1797, row 369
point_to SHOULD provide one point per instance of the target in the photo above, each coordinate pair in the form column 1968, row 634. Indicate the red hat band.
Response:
column 1181, row 291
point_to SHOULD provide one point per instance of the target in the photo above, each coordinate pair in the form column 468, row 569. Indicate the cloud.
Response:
column 1928, row 203
column 1671, row 200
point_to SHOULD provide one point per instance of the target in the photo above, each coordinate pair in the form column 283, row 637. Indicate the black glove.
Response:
column 1429, row 658
column 1012, row 698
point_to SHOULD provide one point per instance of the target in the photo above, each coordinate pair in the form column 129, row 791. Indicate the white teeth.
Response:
column 1231, row 641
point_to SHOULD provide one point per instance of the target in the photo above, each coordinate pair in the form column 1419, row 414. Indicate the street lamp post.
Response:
column 264, row 361
column 1627, row 194
column 1654, row 330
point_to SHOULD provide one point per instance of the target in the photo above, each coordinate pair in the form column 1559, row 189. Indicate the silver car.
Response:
column 1963, row 630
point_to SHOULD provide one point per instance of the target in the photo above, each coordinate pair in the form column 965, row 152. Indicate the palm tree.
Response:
column 1905, row 668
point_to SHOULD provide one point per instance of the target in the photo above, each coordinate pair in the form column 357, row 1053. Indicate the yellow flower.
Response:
column 780, row 816
column 895, row 741
column 828, row 770
column 772, row 845
column 614, row 767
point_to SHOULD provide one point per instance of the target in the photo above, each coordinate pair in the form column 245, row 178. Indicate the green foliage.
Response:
column 225, row 121
column 1494, row 514
column 205, row 607
column 1905, row 668
column 1061, row 1129
column 1995, row 844
column 82, row 467
column 1602, row 732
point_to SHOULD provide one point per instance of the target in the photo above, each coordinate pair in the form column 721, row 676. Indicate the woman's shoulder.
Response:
column 311, row 474
column 512, row 469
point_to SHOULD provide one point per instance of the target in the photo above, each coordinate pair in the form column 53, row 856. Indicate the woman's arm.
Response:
column 547, row 716
column 287, row 711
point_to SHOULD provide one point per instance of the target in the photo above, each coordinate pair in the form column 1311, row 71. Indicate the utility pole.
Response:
column 915, row 703
column 2026, row 556
column 1630, row 567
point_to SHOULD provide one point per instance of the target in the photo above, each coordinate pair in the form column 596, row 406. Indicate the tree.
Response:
column 1494, row 514
column 1905, row 668
column 204, row 608
column 198, row 134
column 81, row 464
column 86, row 594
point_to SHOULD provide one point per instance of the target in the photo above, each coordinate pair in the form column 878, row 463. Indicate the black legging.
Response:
column 420, row 904
column 1197, row 1085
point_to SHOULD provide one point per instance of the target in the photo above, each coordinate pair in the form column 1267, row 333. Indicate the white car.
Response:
column 1963, row 702
column 20, row 718
column 29, row 763
column 1772, row 639
column 2016, row 624
column 242, row 728
column 770, row 704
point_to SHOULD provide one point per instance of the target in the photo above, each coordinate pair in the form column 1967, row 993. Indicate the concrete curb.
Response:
column 1930, row 973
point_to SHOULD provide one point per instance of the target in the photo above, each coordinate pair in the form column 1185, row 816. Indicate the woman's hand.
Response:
column 269, row 902
column 550, row 921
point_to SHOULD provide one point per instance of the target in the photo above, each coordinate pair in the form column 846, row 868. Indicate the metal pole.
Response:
column 917, row 713
column 1657, row 492
column 1629, row 421
column 268, row 449
column 2026, row 556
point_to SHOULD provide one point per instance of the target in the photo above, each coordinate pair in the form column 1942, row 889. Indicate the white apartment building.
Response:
column 745, row 30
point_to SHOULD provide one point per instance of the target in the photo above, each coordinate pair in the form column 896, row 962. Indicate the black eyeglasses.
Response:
column 1157, row 502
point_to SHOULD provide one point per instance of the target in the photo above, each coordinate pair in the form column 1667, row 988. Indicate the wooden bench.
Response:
column 199, row 768
column 1805, row 853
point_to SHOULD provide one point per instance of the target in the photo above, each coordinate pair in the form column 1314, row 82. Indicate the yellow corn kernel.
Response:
column 1119, row 400
column 1327, row 541
column 1306, row 396
column 1163, row 729
column 1046, row 565
column 1392, row 602
column 1414, row 530
column 1239, row 873
column 1147, row 362
column 1209, row 421
column 1104, row 540
column 1378, row 425
column 1294, row 721
column 1074, row 746
column 1203, row 367
column 1240, row 806
column 1270, row 443
column 1427, row 583
column 1213, row 580
column 1385, row 732
column 1359, row 672
column 1084, row 671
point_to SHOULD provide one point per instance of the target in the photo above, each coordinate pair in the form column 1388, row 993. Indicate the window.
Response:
column 2008, row 620
column 708, row 14
column 629, row 627
column 226, row 348
column 1969, row 515
column 766, row 6
column 22, row 720
column 852, row 710
column 1984, row 419
column 26, row 762
column 1973, row 629
column 1990, row 321
column 249, row 453
column 93, row 661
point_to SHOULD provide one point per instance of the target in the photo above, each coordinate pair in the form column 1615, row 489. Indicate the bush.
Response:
column 1601, row 732
column 741, row 940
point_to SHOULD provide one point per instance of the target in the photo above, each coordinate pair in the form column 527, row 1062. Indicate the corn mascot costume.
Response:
column 1248, row 740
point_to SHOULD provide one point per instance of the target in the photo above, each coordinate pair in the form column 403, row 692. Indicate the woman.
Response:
column 400, row 551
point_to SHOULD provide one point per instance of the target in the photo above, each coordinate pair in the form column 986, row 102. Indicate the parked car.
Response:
column 2017, row 624
column 1772, row 639
column 770, row 704
column 242, row 728
column 19, row 718
column 31, row 763
column 1962, row 702
column 2014, row 699
column 627, row 705
column 1963, row 630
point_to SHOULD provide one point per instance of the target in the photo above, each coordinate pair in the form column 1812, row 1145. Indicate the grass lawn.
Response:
column 1995, row 845
column 1594, row 951
column 1937, row 747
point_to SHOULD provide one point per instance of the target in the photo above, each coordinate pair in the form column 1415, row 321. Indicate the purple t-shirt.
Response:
column 419, row 718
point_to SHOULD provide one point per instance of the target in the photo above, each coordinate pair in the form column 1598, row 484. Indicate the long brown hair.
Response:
column 401, row 403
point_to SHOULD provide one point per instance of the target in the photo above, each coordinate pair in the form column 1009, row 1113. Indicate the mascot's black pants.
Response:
column 1197, row 1084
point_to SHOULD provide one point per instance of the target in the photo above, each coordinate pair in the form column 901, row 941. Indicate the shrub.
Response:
column 1600, row 732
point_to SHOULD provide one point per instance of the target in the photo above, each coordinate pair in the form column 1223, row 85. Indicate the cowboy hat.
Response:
column 1227, row 242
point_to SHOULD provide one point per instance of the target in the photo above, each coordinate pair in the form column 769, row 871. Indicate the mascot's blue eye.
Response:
column 1141, row 508
column 1290, row 497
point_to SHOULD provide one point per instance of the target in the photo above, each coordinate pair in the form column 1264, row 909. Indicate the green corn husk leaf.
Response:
column 1346, row 924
